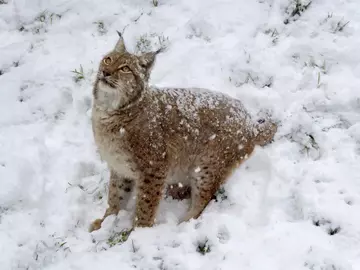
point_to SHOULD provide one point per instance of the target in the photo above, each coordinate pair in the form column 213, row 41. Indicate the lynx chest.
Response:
column 112, row 149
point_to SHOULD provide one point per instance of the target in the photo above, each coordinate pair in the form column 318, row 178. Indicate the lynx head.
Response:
column 122, row 77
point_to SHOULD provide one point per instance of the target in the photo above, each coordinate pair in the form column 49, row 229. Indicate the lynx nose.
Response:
column 106, row 73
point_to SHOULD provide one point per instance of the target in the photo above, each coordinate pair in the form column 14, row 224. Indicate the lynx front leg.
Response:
column 119, row 193
column 149, row 194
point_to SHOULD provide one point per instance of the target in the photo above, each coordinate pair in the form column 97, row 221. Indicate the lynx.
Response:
column 155, row 137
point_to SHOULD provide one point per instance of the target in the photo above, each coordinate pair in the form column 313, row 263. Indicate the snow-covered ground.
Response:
column 294, row 205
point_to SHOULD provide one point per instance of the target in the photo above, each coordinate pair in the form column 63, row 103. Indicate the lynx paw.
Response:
column 95, row 225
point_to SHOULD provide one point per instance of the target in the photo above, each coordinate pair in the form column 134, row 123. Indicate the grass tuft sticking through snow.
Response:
column 327, row 226
column 152, row 41
column 296, row 9
column 118, row 238
column 41, row 22
column 78, row 75
column 339, row 27
column 203, row 247
column 155, row 3
column 100, row 26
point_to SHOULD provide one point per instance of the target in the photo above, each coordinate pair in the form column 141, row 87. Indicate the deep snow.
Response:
column 295, row 204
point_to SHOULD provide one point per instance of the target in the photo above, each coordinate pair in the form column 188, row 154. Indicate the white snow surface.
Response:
column 294, row 204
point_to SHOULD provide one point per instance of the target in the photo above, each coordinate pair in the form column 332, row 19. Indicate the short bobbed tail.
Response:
column 264, row 132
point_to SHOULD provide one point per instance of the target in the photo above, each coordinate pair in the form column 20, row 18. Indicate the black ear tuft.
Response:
column 148, row 59
column 120, row 45
column 160, row 50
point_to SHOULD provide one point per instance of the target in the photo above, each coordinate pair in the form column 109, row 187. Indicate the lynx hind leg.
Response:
column 207, row 179
column 120, row 189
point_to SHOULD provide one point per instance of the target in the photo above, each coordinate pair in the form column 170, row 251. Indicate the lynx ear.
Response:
column 148, row 59
column 120, row 45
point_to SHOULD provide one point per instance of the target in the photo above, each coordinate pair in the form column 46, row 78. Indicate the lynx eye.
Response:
column 107, row 60
column 125, row 69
